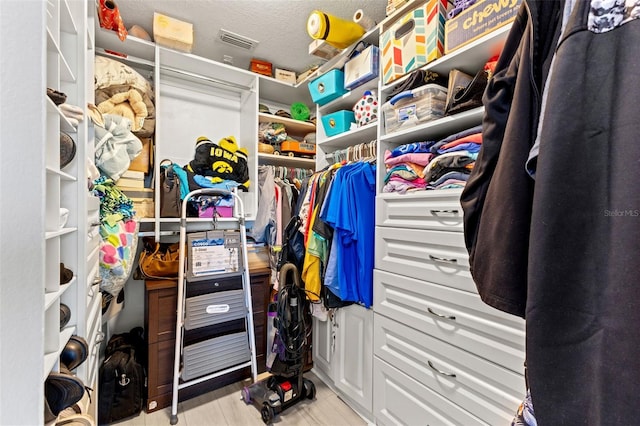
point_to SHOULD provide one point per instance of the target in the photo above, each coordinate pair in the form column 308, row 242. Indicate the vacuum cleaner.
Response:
column 285, row 359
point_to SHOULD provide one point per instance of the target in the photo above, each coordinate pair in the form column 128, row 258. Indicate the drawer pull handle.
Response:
column 451, row 212
column 96, row 281
column 435, row 314
column 440, row 371
column 442, row 259
column 94, row 224
column 99, row 337
column 91, row 293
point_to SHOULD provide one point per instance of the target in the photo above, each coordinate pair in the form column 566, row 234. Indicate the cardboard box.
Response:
column 172, row 33
column 414, row 40
column 392, row 5
column 362, row 68
column 142, row 162
column 261, row 67
column 284, row 75
column 481, row 18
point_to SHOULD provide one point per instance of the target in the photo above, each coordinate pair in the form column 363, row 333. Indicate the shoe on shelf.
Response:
column 57, row 97
column 65, row 315
column 62, row 390
column 75, row 352
column 66, row 274
column 67, row 149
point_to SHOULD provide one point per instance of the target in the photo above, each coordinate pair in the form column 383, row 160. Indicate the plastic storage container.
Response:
column 338, row 122
column 413, row 107
column 327, row 87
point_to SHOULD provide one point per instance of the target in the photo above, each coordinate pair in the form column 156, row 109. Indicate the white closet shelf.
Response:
column 51, row 297
column 436, row 129
column 66, row 74
column 349, row 99
column 295, row 127
column 285, row 160
column 65, row 124
column 51, row 358
column 282, row 92
column 421, row 195
column 362, row 134
column 67, row 23
column 59, row 232
column 138, row 47
column 63, row 175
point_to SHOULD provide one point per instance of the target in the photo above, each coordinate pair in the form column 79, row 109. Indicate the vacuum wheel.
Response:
column 266, row 413
column 309, row 389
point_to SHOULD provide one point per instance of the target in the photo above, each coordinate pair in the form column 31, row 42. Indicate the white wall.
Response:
column 22, row 108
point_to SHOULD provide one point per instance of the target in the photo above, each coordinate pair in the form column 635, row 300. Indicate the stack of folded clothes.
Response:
column 433, row 165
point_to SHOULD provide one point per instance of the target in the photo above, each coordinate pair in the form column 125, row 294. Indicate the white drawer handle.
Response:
column 442, row 259
column 96, row 281
column 440, row 371
column 453, row 212
column 435, row 314
column 99, row 337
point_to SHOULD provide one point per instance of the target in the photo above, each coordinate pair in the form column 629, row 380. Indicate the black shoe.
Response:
column 66, row 274
column 65, row 315
column 62, row 390
column 75, row 352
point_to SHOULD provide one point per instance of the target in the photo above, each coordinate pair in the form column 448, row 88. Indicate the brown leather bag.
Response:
column 160, row 261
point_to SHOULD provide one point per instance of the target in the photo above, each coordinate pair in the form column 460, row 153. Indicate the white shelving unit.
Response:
column 426, row 307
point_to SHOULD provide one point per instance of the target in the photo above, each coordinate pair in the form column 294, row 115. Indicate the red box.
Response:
column 261, row 67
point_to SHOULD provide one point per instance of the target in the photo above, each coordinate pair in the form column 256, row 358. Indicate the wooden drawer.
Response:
column 490, row 392
column 452, row 315
column 400, row 400
column 435, row 256
column 437, row 210
column 160, row 310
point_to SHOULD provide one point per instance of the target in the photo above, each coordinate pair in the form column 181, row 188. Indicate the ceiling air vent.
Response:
column 237, row 40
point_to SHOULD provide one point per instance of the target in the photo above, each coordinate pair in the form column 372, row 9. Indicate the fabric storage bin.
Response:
column 327, row 87
column 412, row 107
column 338, row 122
column 414, row 40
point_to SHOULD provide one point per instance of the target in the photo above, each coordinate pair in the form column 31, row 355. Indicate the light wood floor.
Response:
column 224, row 407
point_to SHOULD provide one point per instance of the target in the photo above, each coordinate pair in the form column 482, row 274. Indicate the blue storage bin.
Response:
column 327, row 87
column 338, row 122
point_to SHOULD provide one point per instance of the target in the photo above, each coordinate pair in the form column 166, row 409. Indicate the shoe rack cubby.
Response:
column 69, row 70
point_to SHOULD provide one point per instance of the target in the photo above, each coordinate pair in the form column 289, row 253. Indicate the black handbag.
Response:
column 464, row 91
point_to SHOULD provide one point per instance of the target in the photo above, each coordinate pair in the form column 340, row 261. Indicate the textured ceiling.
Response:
column 278, row 25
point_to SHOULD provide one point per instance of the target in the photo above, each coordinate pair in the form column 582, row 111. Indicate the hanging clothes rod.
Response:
column 213, row 80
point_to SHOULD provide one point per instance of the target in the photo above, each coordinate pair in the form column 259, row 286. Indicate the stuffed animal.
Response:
column 127, row 104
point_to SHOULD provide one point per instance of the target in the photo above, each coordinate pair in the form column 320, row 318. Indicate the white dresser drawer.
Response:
column 436, row 256
column 438, row 210
column 400, row 400
column 455, row 316
column 486, row 390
